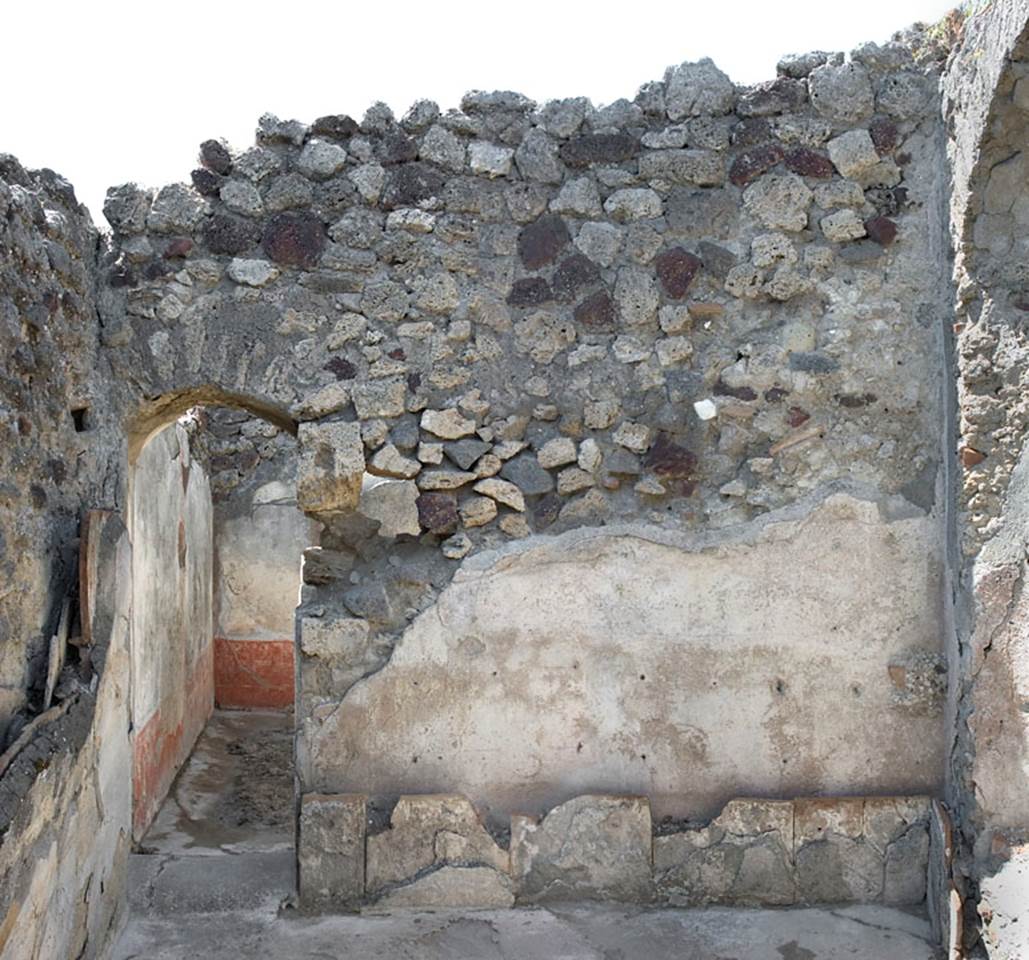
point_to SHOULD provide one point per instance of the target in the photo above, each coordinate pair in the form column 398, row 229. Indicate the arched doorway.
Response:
column 216, row 575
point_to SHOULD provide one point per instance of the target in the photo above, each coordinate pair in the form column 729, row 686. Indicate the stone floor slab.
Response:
column 588, row 932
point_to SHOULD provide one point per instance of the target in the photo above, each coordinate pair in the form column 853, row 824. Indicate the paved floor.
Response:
column 218, row 868
column 572, row 933
column 235, row 792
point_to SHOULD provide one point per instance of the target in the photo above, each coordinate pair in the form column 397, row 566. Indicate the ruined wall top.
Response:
column 690, row 306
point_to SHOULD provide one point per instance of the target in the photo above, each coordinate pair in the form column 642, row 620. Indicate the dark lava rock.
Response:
column 208, row 184
column 809, row 163
column 665, row 458
column 227, row 233
column 529, row 291
column 215, row 156
column 525, row 473
column 676, row 269
column 750, row 164
column 589, row 148
column 573, row 274
column 596, row 313
column 437, row 512
column 539, row 243
column 882, row 230
column 410, row 183
column 335, row 127
column 294, row 239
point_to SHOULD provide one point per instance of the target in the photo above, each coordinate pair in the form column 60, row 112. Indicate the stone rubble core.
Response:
column 434, row 851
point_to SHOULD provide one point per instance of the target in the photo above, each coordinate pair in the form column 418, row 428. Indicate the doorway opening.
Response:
column 218, row 541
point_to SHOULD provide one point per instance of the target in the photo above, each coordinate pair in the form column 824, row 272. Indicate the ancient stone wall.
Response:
column 65, row 769
column 987, row 103
column 630, row 438
column 59, row 451
column 66, row 784
column 687, row 313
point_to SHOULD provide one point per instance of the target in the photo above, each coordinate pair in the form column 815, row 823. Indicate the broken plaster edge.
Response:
column 782, row 524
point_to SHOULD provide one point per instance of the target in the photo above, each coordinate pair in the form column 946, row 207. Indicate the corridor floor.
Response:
column 214, row 879
column 586, row 932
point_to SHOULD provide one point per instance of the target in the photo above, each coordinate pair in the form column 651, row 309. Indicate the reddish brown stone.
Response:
column 294, row 239
column 437, row 512
column 539, row 243
column 676, row 269
column 882, row 230
column 596, row 313
column 668, row 459
column 591, row 148
column 884, row 135
column 574, row 273
column 796, row 416
column 750, row 164
column 809, row 163
column 178, row 247
column 970, row 457
column 529, row 292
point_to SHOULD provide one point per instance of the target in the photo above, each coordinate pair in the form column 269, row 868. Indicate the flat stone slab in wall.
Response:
column 436, row 851
column 812, row 850
column 590, row 848
column 331, row 849
column 745, row 855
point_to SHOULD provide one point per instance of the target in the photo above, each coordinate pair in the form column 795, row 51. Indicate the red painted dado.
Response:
column 161, row 746
column 253, row 673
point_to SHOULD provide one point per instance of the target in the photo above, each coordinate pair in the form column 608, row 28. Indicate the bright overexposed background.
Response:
column 110, row 91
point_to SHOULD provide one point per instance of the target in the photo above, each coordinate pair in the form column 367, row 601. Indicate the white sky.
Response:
column 110, row 91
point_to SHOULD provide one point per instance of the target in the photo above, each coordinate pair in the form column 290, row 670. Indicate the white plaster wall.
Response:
column 172, row 597
column 627, row 660
column 257, row 553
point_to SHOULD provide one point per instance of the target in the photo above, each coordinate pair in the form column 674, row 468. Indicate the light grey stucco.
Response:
column 628, row 660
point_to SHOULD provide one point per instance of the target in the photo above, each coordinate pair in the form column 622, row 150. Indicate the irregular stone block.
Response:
column 330, row 849
column 702, row 168
column 294, row 239
column 437, row 512
column 379, row 398
column 692, row 89
column 779, row 201
column 592, row 847
column 591, row 148
column 431, row 833
column 855, row 849
column 447, row 424
column 744, row 856
column 330, row 468
column 539, row 243
column 394, row 503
